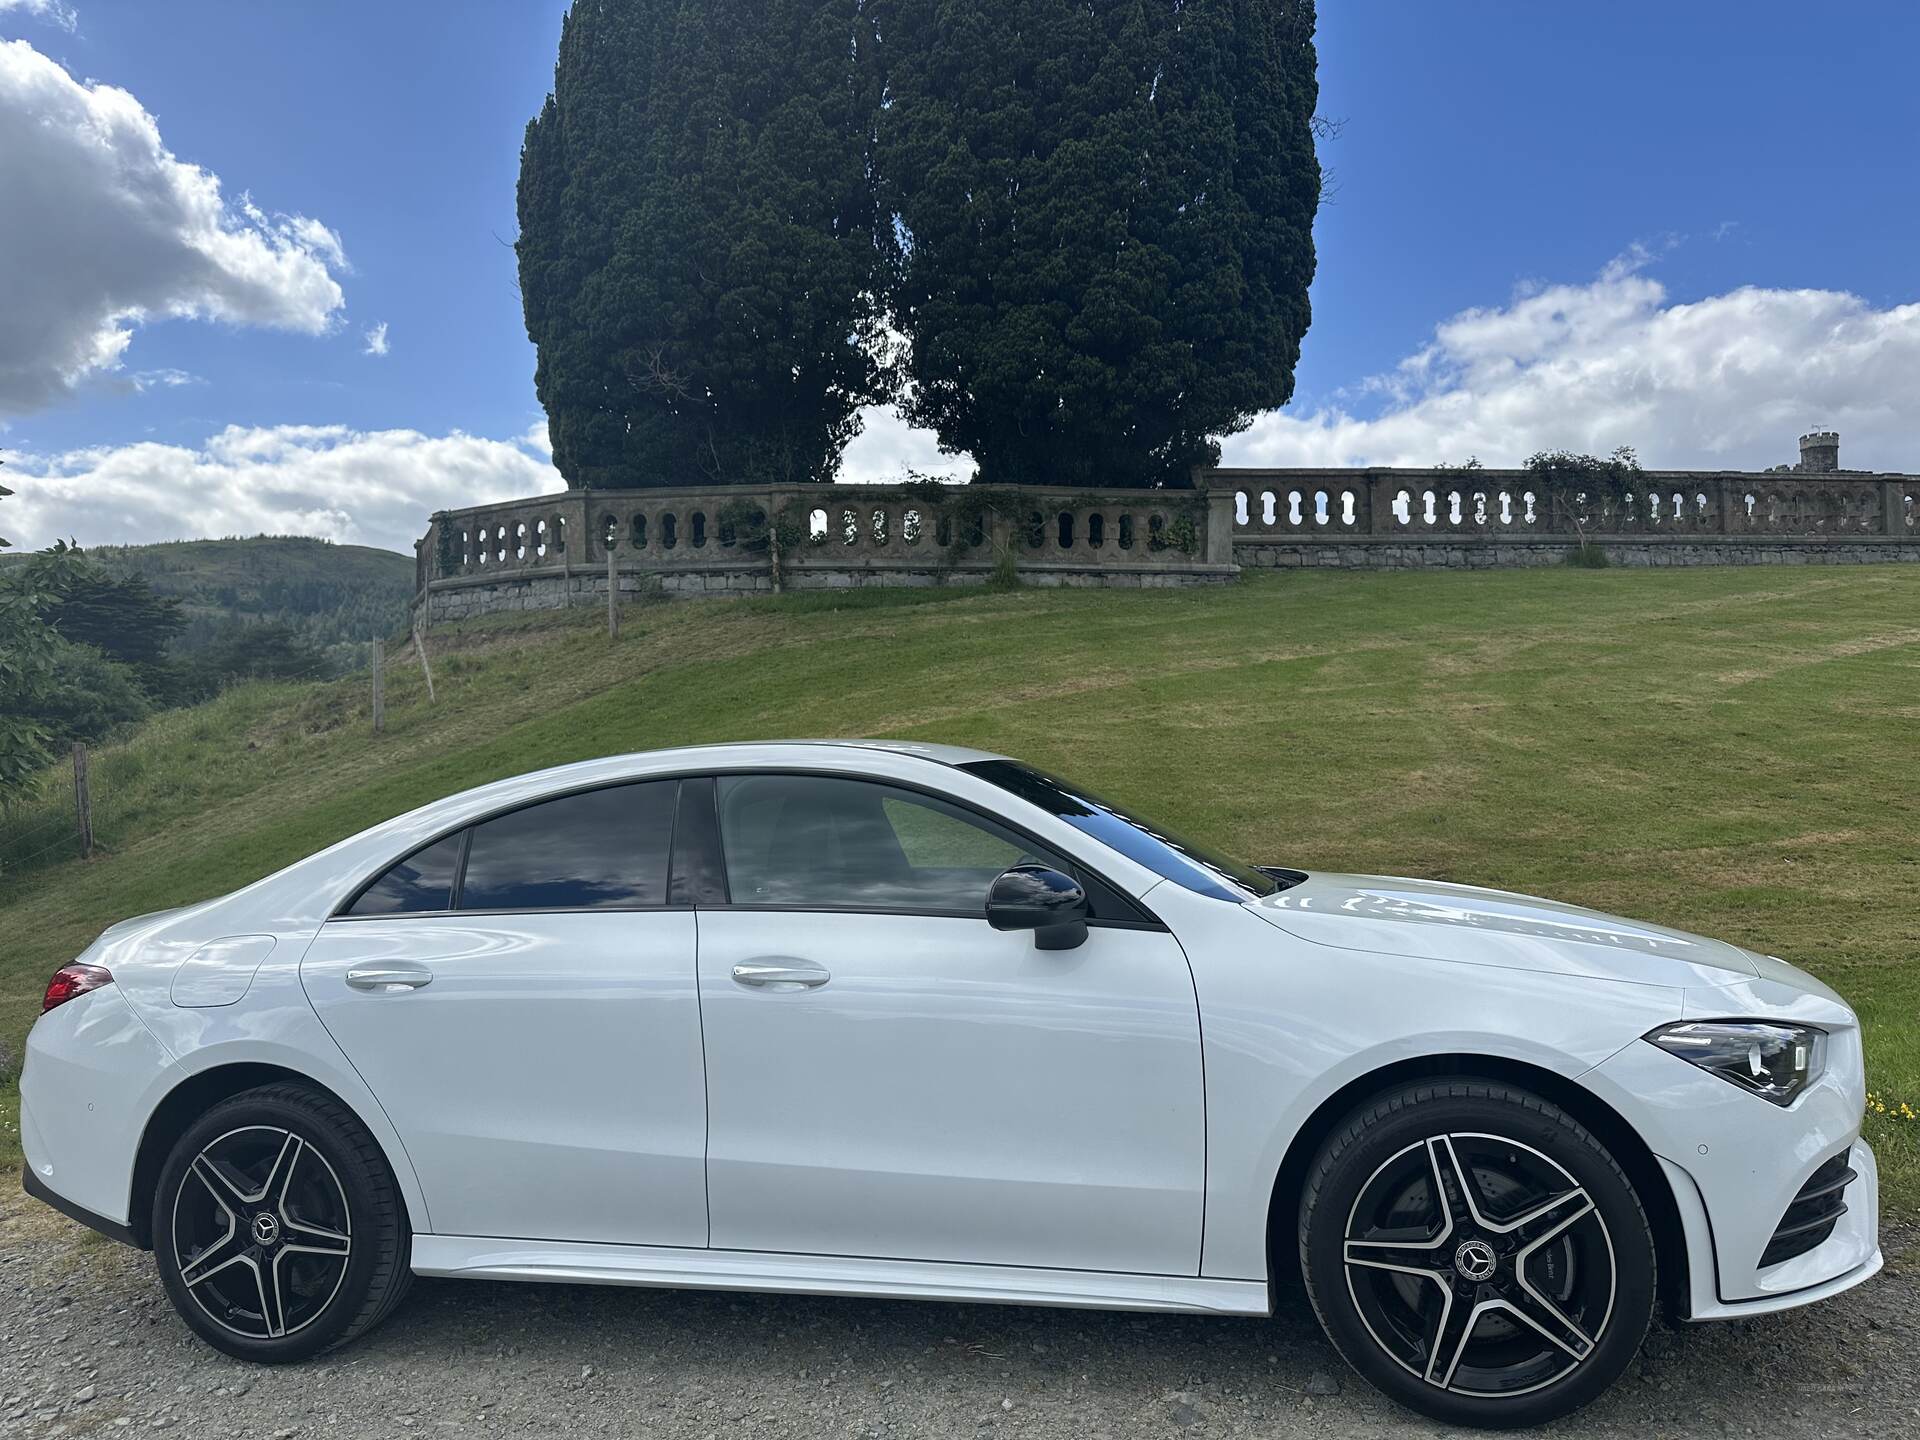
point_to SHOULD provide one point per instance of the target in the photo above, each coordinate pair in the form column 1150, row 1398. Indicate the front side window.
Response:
column 826, row 843
column 596, row 850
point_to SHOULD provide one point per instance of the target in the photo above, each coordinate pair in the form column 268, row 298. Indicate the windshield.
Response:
column 1204, row 871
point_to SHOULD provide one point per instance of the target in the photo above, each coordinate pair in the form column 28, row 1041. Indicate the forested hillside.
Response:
column 327, row 593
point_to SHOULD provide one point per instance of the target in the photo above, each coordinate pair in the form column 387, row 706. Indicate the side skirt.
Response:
column 571, row 1262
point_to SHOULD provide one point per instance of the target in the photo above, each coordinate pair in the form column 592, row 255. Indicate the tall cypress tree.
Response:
column 698, row 259
column 1104, row 221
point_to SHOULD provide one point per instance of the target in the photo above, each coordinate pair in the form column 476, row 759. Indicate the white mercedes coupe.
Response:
column 913, row 1021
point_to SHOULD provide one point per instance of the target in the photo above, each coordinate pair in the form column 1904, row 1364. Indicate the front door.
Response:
column 889, row 1076
column 522, row 1003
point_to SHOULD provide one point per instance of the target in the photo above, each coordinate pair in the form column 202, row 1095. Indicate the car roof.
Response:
column 943, row 754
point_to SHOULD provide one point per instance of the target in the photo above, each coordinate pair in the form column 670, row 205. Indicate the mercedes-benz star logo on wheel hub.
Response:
column 1474, row 1260
column 266, row 1229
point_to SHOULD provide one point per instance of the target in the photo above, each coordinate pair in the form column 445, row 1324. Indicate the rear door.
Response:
column 889, row 1076
column 520, row 996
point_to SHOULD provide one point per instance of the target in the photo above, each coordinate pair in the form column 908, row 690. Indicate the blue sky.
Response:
column 1686, row 227
column 1490, row 144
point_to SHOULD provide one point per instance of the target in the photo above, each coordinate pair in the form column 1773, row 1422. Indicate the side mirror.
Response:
column 1032, row 897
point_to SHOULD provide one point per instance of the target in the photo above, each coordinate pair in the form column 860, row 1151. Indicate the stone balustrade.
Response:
column 1456, row 518
column 565, row 549
column 554, row 550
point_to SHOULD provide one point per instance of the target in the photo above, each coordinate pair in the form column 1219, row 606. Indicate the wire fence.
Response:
column 56, row 822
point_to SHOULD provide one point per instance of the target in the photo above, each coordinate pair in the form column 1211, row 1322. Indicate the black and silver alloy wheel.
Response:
column 277, row 1225
column 1476, row 1253
column 262, row 1227
column 1479, row 1264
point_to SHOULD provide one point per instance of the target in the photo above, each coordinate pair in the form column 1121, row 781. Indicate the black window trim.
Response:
column 459, row 870
column 1146, row 920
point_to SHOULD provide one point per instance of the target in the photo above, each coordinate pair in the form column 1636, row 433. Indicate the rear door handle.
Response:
column 780, row 977
column 389, row 977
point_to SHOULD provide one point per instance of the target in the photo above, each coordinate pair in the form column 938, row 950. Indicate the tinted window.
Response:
column 588, row 851
column 1204, row 871
column 833, row 844
column 422, row 881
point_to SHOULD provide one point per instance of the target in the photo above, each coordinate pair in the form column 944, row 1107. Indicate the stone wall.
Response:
column 1481, row 554
column 557, row 591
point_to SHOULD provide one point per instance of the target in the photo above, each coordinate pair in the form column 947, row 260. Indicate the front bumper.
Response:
column 1736, row 1163
column 1823, row 1272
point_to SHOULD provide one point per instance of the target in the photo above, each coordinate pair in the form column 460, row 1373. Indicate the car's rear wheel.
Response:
column 277, row 1226
column 1476, row 1253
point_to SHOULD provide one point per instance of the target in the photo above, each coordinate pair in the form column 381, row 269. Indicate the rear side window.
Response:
column 422, row 881
column 596, row 850
column 600, row 849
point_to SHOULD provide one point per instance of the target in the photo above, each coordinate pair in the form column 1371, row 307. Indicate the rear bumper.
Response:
column 86, row 1090
column 46, row 1194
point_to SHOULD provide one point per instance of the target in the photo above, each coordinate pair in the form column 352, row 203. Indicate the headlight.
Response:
column 1774, row 1061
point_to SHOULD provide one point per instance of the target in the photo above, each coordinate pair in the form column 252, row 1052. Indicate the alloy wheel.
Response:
column 1479, row 1265
column 262, row 1232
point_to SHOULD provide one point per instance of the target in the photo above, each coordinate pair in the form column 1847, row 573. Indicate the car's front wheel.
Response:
column 1476, row 1253
column 277, row 1226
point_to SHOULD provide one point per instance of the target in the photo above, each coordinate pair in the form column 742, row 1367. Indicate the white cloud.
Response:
column 887, row 448
column 54, row 12
column 165, row 379
column 365, row 487
column 105, row 229
column 1728, row 381
column 377, row 340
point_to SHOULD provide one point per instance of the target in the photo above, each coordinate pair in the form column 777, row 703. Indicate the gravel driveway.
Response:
column 89, row 1346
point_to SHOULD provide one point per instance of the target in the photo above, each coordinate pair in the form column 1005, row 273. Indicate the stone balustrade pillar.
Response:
column 1380, row 490
column 1218, row 547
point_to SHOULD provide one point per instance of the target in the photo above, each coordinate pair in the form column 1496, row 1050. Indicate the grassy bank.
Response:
column 1732, row 751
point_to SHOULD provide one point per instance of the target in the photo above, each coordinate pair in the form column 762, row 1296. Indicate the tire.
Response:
column 277, row 1226
column 1513, row 1309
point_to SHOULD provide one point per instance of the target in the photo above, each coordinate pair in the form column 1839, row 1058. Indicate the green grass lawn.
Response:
column 1732, row 751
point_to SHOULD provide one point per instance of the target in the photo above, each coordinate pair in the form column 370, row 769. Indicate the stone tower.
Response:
column 1820, row 452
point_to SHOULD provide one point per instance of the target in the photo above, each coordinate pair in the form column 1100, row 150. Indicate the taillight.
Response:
column 71, row 980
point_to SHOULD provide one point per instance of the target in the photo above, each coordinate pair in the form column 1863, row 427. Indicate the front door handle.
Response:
column 780, row 977
column 381, row 978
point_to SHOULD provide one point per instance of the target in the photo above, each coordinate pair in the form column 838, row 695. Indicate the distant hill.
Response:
column 333, row 594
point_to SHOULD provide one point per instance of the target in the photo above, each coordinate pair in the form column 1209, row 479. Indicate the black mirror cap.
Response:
column 1034, row 897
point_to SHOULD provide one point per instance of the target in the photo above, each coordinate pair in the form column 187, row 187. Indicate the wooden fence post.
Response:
column 613, row 594
column 83, row 800
column 379, row 686
column 420, row 649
